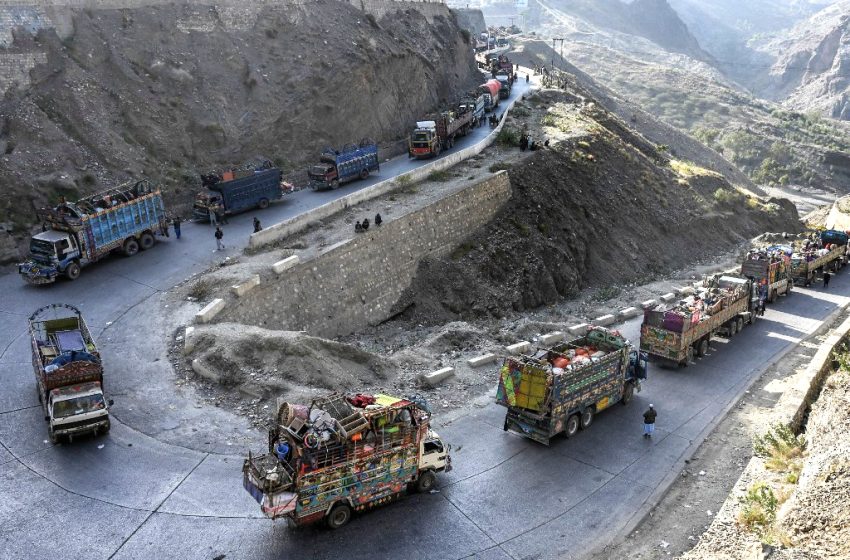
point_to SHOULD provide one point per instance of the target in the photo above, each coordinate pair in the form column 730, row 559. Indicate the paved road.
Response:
column 166, row 483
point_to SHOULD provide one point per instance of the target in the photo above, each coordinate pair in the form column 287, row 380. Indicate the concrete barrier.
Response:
column 649, row 303
column 579, row 330
column 519, row 347
column 246, row 286
column 685, row 290
column 628, row 313
column 205, row 372
column 212, row 309
column 479, row 361
column 668, row 297
column 285, row 264
column 552, row 338
column 188, row 340
column 299, row 223
column 436, row 377
column 605, row 320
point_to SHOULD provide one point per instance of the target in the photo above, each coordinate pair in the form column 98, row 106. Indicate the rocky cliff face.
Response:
column 812, row 68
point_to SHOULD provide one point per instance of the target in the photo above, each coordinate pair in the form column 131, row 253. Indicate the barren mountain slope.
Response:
column 171, row 91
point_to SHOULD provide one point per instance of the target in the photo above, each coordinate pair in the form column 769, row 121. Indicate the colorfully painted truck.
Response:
column 679, row 334
column 473, row 103
column 336, row 167
column 806, row 265
column 772, row 269
column 68, row 372
column 429, row 138
column 561, row 389
column 126, row 219
column 237, row 190
column 344, row 453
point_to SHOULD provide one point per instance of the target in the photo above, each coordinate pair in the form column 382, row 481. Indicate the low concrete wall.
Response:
column 356, row 283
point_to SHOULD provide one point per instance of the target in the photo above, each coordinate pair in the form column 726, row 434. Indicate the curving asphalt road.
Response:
column 166, row 481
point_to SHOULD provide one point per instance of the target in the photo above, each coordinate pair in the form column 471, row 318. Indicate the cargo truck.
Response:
column 434, row 136
column 68, row 373
column 502, row 64
column 676, row 336
column 473, row 103
column 806, row 265
column 770, row 268
column 561, row 389
column 344, row 453
column 490, row 90
column 126, row 218
column 336, row 167
column 237, row 190
column 505, row 86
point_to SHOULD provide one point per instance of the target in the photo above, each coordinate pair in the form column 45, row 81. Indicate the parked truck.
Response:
column 336, row 167
column 126, row 218
column 807, row 264
column 434, row 136
column 561, row 389
column 68, row 373
column 473, row 103
column 237, row 190
column 770, row 268
column 490, row 90
column 679, row 334
column 344, row 453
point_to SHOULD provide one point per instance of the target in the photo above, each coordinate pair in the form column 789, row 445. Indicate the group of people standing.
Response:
column 361, row 227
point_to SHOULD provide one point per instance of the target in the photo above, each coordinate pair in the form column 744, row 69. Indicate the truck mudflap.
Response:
column 37, row 274
column 539, row 429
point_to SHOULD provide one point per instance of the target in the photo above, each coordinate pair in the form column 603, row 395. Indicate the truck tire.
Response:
column 340, row 515
column 426, row 482
column 263, row 203
column 702, row 347
column 54, row 439
column 572, row 425
column 364, row 173
column 72, row 271
column 628, row 393
column 131, row 247
column 740, row 324
column 334, row 184
column 733, row 328
column 689, row 357
column 146, row 241
column 107, row 427
column 587, row 417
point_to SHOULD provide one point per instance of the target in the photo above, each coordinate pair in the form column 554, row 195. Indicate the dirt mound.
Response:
column 169, row 91
column 285, row 363
column 593, row 210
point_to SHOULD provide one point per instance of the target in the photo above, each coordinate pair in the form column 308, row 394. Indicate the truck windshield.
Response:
column 319, row 170
column 42, row 251
column 79, row 405
column 421, row 137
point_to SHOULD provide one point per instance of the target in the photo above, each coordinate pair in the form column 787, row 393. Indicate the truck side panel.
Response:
column 242, row 194
column 108, row 229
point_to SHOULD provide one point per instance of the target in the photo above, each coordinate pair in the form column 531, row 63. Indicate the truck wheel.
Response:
column 72, row 271
column 587, row 417
column 733, row 328
column 689, row 357
column 334, row 183
column 426, row 482
column 572, row 426
column 54, row 439
column 740, row 324
column 364, row 173
column 339, row 516
column 146, row 241
column 628, row 393
column 107, row 427
column 263, row 204
column 702, row 350
column 131, row 247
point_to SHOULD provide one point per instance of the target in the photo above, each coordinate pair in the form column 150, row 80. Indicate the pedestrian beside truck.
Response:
column 219, row 235
column 649, row 422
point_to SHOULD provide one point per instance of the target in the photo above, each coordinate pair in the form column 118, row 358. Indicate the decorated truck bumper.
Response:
column 37, row 274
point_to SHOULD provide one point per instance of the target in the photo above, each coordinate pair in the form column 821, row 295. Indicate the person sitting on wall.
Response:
column 378, row 220
column 357, row 227
column 365, row 224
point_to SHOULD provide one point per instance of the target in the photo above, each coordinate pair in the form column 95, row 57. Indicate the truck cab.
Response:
column 424, row 140
column 205, row 200
column 323, row 175
column 77, row 409
column 434, row 454
column 51, row 252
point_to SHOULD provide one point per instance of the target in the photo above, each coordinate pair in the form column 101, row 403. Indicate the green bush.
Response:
column 508, row 136
column 759, row 508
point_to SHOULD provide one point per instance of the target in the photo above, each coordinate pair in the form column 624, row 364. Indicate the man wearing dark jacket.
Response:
column 649, row 422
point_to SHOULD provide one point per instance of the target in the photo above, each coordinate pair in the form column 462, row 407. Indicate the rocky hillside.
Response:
column 171, row 91
column 601, row 205
column 811, row 71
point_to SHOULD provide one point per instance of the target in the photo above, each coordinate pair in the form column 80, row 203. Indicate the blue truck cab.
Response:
column 235, row 191
column 335, row 167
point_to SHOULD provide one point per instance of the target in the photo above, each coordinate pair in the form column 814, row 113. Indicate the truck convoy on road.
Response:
column 490, row 90
column 770, row 268
column 432, row 137
column 561, row 389
column 68, row 372
column 344, row 453
column 126, row 218
column 678, row 334
column 336, row 167
column 237, row 190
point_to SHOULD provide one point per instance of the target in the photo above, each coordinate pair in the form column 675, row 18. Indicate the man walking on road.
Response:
column 257, row 226
column 649, row 422
column 176, row 223
column 826, row 277
column 218, row 236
